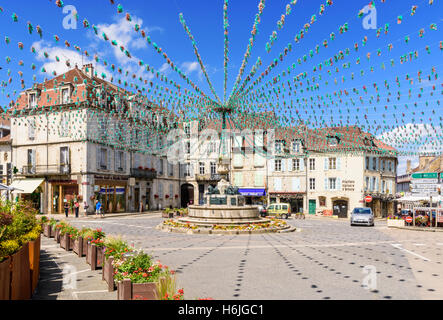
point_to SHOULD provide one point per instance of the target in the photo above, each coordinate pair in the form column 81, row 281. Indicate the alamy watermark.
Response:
column 370, row 280
column 370, row 20
column 70, row 21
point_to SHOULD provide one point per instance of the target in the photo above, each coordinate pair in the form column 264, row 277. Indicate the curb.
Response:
column 94, row 217
column 418, row 229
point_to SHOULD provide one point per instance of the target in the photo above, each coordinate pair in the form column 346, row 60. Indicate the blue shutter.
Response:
column 339, row 184
column 302, row 164
column 326, row 164
column 338, row 163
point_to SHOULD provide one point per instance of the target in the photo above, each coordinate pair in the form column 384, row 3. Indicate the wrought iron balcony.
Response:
column 43, row 170
column 143, row 174
column 208, row 177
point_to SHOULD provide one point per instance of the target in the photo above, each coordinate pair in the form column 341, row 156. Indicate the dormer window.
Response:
column 279, row 146
column 33, row 100
column 296, row 146
column 333, row 141
column 65, row 96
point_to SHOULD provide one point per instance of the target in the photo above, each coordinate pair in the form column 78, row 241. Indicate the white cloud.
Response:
column 414, row 138
column 189, row 67
column 64, row 54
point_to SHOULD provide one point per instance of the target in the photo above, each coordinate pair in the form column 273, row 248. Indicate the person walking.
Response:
column 98, row 207
column 66, row 207
column 76, row 207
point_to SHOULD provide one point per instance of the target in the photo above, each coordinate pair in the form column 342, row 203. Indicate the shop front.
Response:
column 111, row 194
column 61, row 192
column 295, row 199
column 31, row 190
column 253, row 196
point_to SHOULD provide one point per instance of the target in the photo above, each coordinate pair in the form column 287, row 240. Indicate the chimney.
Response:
column 408, row 166
column 88, row 69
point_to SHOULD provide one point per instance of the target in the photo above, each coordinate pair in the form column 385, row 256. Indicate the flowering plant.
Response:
column 139, row 269
column 98, row 234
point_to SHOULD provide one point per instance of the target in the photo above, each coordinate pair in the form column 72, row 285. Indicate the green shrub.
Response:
column 32, row 235
column 8, row 248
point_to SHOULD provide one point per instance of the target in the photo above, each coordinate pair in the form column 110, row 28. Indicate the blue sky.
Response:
column 205, row 19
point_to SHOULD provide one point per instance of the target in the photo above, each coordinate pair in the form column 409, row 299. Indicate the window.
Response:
column 120, row 161
column 171, row 190
column 160, row 169
column 312, row 164
column 295, row 146
column 65, row 96
column 332, row 163
column 187, row 131
column 103, row 158
column 390, row 166
column 31, row 161
column 333, row 142
column 277, row 165
column 367, row 163
column 278, row 147
column 322, row 201
column 382, row 165
column 311, row 183
column 213, row 168
column 367, row 183
column 374, row 163
column 332, row 183
column 64, row 156
column 188, row 147
column 64, row 125
column 202, row 167
column 32, row 100
column 187, row 170
column 160, row 190
column 31, row 129
column 170, row 169
column 295, row 164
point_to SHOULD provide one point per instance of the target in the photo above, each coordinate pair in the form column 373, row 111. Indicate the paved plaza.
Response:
column 326, row 259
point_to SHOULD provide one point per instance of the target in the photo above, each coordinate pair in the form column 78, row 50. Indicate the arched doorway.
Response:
column 340, row 208
column 187, row 195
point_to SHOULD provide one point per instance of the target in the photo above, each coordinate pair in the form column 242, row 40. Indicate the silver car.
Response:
column 362, row 216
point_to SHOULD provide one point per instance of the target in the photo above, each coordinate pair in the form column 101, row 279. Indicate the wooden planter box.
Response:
column 21, row 275
column 47, row 230
column 5, row 279
column 94, row 256
column 65, row 242
column 78, row 247
column 57, row 235
column 126, row 290
column 34, row 262
column 108, row 274
column 396, row 223
column 53, row 230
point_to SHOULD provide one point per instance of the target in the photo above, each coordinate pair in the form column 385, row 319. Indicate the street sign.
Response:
column 431, row 175
column 425, row 186
column 408, row 219
column 424, row 181
column 368, row 199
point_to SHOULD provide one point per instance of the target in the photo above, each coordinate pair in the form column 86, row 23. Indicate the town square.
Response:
column 221, row 150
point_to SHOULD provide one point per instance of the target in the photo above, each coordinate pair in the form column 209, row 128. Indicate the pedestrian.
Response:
column 76, row 207
column 98, row 207
column 85, row 205
column 66, row 207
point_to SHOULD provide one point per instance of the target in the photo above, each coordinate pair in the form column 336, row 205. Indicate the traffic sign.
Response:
column 424, row 181
column 368, row 199
column 430, row 175
column 425, row 186
column 408, row 219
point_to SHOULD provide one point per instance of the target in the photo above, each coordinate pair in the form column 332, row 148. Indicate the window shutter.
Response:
column 109, row 165
column 33, row 158
column 302, row 164
column 338, row 163
column 326, row 183
column 339, row 184
column 271, row 165
column 326, row 164
column 283, row 162
column 290, row 164
column 377, row 164
column 99, row 154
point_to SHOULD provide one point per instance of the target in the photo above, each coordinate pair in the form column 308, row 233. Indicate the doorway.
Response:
column 340, row 208
column 187, row 195
column 312, row 206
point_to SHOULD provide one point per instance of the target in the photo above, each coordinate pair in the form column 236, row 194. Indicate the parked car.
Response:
column 362, row 216
column 279, row 210
column 262, row 209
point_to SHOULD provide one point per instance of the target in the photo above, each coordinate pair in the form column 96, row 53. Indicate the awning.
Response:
column 253, row 192
column 27, row 186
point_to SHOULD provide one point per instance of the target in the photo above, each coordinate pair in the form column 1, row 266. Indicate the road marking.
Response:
column 278, row 246
column 419, row 244
column 398, row 246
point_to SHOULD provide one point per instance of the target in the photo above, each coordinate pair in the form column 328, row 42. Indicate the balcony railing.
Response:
column 208, row 177
column 55, row 169
column 143, row 174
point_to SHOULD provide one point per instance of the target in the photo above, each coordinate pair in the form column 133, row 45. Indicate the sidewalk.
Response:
column 426, row 229
column 107, row 215
column 65, row 276
column 320, row 217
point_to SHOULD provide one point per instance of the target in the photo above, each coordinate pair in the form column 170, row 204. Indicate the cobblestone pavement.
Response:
column 326, row 260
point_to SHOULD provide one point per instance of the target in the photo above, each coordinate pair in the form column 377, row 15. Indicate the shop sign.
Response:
column 348, row 185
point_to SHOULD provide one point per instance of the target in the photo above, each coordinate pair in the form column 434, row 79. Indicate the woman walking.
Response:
column 76, row 207
column 66, row 207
